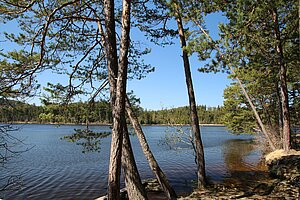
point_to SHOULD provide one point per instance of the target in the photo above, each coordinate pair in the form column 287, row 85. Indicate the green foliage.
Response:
column 210, row 115
column 249, row 37
column 238, row 117
column 153, row 19
column 63, row 37
column 248, row 46
column 88, row 139
column 17, row 111
column 59, row 94
column 14, row 111
column 100, row 113
column 16, row 72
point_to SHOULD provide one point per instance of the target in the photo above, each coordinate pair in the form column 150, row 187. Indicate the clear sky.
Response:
column 164, row 88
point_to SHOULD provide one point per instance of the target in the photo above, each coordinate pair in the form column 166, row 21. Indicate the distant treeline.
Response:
column 99, row 112
column 76, row 113
column 207, row 115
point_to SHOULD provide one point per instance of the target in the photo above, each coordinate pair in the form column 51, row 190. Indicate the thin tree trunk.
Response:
column 286, row 132
column 279, row 110
column 162, row 179
column 268, row 136
column 193, row 109
column 134, row 186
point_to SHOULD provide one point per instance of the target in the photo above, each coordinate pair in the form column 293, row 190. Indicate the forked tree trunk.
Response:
column 117, row 72
column 162, row 179
column 193, row 109
column 286, row 130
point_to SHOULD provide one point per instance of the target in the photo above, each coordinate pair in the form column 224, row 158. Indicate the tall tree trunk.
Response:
column 133, row 182
column 162, row 179
column 112, row 65
column 134, row 186
column 192, row 103
column 286, row 131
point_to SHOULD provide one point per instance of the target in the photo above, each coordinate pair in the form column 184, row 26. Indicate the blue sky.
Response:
column 164, row 88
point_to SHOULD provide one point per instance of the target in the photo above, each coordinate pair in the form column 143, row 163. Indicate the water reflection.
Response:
column 88, row 139
column 241, row 165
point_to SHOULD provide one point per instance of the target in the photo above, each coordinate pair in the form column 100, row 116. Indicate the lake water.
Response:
column 57, row 169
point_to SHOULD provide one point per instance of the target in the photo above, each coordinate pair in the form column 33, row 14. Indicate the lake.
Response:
column 55, row 168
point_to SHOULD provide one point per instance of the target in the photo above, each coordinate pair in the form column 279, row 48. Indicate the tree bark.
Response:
column 117, row 136
column 279, row 110
column 286, row 131
column 134, row 186
column 193, row 109
column 162, row 179
column 117, row 71
column 268, row 136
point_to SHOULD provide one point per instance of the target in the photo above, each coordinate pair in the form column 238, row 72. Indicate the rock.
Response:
column 263, row 189
column 285, row 168
column 275, row 155
column 286, row 190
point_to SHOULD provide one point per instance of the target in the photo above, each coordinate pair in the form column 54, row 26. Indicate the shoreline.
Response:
column 281, row 181
column 102, row 124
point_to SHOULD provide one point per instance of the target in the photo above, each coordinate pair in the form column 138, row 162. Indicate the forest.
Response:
column 100, row 113
column 89, row 43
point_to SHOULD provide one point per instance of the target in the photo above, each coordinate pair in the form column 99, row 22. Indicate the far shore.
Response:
column 98, row 124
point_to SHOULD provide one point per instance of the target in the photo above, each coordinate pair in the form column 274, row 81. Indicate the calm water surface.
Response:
column 57, row 169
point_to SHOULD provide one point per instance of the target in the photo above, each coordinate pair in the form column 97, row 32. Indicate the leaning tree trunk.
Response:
column 117, row 75
column 134, row 186
column 270, row 138
column 162, row 179
column 286, row 131
column 193, row 109
column 146, row 149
